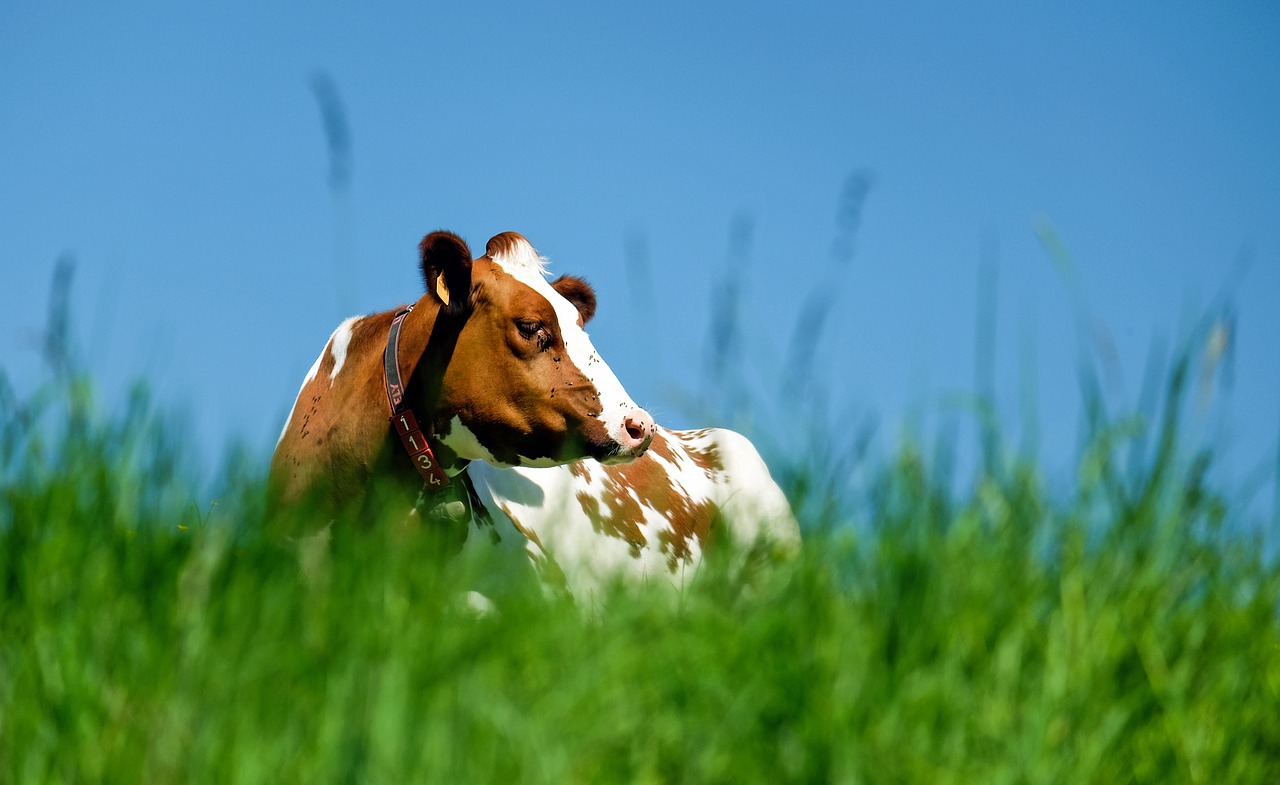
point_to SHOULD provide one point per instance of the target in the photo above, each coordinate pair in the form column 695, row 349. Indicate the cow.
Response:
column 484, row 406
column 587, row 525
column 491, row 364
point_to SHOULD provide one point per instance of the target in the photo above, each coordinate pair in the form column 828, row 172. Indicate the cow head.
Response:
column 523, row 384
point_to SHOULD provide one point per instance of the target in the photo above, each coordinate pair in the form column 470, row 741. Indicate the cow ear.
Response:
column 578, row 292
column 446, row 270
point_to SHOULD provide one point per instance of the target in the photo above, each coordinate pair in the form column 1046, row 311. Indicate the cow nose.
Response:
column 637, row 430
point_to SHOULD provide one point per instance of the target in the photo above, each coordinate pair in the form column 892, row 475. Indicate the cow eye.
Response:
column 529, row 328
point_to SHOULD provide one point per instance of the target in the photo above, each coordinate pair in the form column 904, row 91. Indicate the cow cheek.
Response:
column 559, row 411
column 578, row 405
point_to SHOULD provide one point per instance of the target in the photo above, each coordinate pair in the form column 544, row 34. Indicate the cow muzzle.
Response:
column 632, row 438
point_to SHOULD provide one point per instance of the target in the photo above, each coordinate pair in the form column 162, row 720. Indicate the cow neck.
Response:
column 426, row 377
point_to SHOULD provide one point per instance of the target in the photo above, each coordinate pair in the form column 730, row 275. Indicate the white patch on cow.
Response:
column 525, row 259
column 462, row 441
column 547, row 506
column 749, row 497
column 539, row 463
column 315, row 369
column 338, row 344
column 525, row 265
column 544, row 506
column 285, row 428
column 314, row 372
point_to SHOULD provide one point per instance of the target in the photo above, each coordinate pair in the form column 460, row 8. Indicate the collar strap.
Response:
column 411, row 436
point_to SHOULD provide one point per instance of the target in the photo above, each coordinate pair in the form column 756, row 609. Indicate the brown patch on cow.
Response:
column 529, row 534
column 327, row 361
column 629, row 490
column 581, row 470
column 505, row 244
column 706, row 458
column 662, row 448
column 611, row 523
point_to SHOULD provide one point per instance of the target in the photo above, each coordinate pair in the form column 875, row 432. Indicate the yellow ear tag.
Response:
column 441, row 290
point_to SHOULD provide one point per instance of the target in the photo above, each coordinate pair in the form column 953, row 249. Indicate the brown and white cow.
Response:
column 586, row 525
column 497, row 368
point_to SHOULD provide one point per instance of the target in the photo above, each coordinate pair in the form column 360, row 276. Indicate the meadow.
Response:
column 936, row 629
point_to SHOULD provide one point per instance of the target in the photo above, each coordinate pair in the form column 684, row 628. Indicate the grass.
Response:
column 1002, row 633
column 934, row 629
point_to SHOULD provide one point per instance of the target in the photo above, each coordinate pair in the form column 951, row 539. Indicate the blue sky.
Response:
column 177, row 153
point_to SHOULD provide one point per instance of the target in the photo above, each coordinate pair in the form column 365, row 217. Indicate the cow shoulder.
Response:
column 332, row 433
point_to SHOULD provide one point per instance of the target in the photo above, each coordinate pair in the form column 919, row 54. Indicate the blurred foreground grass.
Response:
column 993, row 635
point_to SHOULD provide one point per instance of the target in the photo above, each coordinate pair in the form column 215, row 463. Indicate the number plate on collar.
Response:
column 415, row 443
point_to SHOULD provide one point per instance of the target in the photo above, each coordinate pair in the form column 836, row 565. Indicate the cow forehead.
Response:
column 517, row 258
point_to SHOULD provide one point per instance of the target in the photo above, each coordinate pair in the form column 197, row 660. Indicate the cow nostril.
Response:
column 638, row 426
